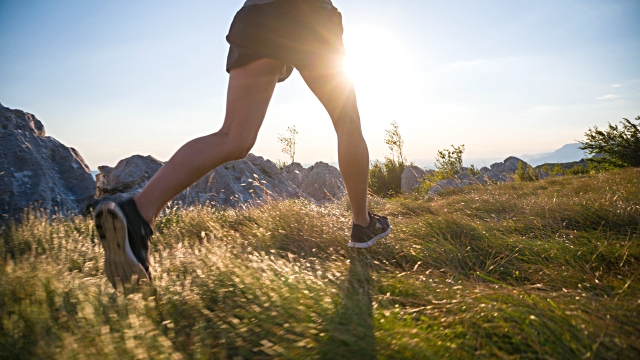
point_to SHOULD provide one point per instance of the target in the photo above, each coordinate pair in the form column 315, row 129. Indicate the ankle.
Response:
column 146, row 215
column 362, row 220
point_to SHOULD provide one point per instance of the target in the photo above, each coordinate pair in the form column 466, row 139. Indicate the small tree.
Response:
column 288, row 143
column 526, row 173
column 614, row 147
column 449, row 162
column 385, row 178
column 394, row 141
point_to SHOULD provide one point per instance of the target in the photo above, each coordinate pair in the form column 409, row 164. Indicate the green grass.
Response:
column 542, row 270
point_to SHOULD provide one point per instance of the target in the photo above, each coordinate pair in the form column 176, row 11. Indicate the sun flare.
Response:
column 371, row 52
column 380, row 67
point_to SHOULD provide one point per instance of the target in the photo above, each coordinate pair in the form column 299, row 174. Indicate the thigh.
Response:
column 249, row 93
column 336, row 92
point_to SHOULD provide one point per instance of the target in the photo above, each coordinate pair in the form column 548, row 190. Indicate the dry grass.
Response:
column 547, row 269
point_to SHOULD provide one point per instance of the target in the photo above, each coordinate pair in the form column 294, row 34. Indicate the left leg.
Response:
column 125, row 228
column 250, row 90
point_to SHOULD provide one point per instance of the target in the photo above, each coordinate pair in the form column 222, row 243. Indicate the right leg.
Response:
column 336, row 92
column 249, row 93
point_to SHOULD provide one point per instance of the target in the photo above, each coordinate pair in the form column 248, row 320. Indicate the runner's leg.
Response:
column 249, row 93
column 335, row 91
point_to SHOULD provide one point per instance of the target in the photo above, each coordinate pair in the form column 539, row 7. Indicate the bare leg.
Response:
column 335, row 91
column 249, row 93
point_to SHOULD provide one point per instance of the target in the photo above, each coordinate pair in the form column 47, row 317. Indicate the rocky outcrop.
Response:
column 251, row 180
column 321, row 181
column 464, row 176
column 411, row 177
column 37, row 171
column 442, row 185
column 126, row 179
column 295, row 173
column 509, row 166
column 497, row 173
column 248, row 181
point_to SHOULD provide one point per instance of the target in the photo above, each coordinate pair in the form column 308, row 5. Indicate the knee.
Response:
column 237, row 145
column 348, row 128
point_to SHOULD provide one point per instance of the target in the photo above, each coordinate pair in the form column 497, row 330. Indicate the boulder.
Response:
column 37, row 171
column 411, row 177
column 248, row 181
column 321, row 181
column 464, row 176
column 508, row 166
column 467, row 182
column 128, row 176
column 481, row 179
column 443, row 185
column 484, row 170
column 294, row 172
column 495, row 178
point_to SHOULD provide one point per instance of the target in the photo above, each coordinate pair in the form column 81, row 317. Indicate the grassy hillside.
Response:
column 548, row 270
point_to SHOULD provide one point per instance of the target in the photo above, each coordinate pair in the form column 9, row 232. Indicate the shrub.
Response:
column 578, row 170
column 473, row 170
column 449, row 162
column 281, row 164
column 385, row 178
column 615, row 147
column 526, row 173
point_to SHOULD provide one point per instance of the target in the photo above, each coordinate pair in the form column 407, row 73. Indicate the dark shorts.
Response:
column 303, row 34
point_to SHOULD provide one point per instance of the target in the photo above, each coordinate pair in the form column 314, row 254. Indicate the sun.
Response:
column 371, row 52
column 380, row 66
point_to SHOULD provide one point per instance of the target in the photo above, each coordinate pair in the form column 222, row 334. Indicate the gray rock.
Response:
column 443, row 185
column 480, row 179
column 321, row 182
column 495, row 178
column 249, row 181
column 464, row 176
column 508, row 166
column 294, row 172
column 411, row 177
column 37, row 171
column 484, row 170
column 468, row 182
column 128, row 177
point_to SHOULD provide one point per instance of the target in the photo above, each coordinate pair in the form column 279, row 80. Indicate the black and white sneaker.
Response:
column 124, row 235
column 363, row 237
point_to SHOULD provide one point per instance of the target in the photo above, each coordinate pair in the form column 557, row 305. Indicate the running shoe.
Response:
column 365, row 236
column 124, row 235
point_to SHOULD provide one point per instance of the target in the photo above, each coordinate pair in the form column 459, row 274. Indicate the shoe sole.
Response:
column 120, row 265
column 369, row 243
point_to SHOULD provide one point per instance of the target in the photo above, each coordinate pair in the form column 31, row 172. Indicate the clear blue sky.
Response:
column 118, row 78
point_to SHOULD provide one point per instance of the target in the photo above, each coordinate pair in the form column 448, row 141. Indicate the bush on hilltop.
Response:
column 614, row 147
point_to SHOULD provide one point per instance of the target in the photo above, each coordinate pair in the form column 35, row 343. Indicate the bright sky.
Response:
column 117, row 78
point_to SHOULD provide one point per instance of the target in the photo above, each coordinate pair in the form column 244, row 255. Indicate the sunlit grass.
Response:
column 546, row 269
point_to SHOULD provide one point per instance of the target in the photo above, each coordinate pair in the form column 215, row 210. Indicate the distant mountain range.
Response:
column 567, row 153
